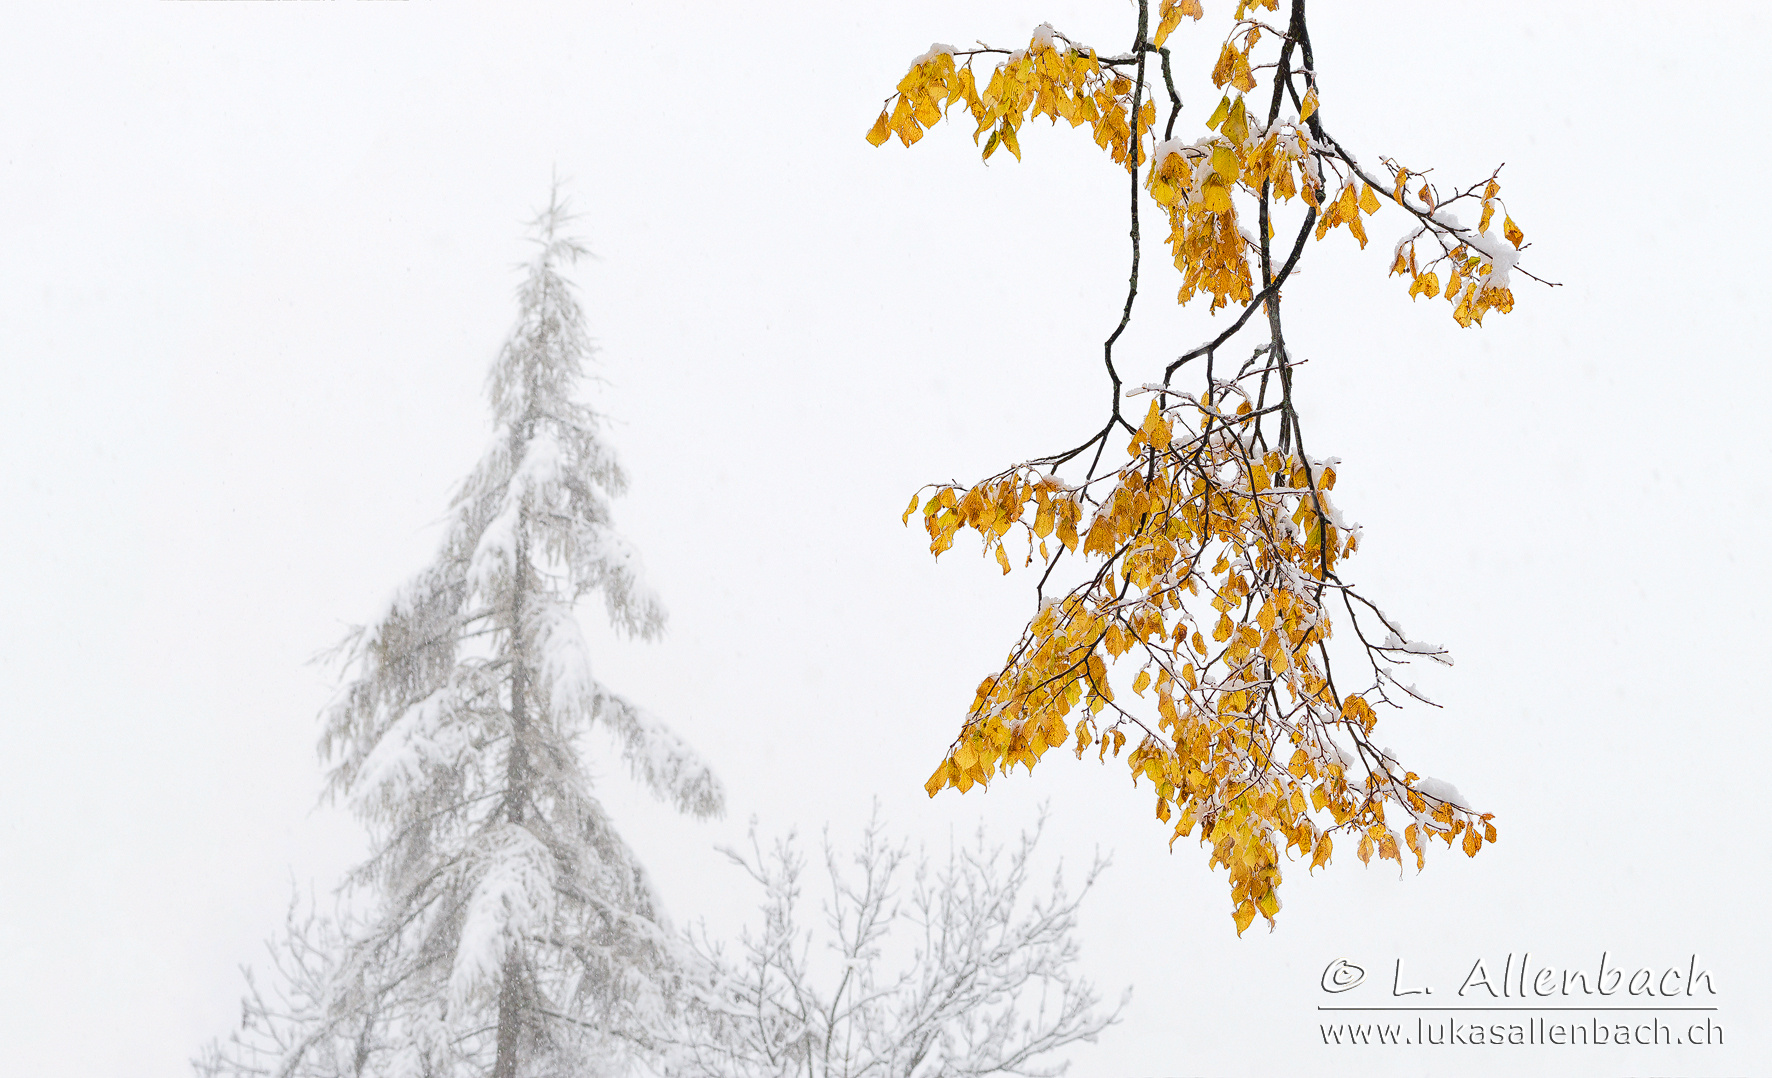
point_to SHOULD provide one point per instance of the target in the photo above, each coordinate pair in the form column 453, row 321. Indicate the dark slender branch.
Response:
column 1134, row 144
column 1174, row 98
column 1283, row 68
column 1310, row 219
column 1061, row 458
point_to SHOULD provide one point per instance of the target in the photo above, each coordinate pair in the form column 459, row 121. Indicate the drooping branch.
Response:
column 1209, row 527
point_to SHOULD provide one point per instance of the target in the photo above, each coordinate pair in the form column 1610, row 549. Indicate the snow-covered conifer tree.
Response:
column 506, row 929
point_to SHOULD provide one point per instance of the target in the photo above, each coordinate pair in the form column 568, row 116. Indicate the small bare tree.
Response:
column 280, row 1023
column 965, row 973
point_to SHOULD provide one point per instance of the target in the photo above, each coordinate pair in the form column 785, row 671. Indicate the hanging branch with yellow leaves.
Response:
column 1211, row 557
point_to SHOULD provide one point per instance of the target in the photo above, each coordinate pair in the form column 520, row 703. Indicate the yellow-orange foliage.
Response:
column 1211, row 554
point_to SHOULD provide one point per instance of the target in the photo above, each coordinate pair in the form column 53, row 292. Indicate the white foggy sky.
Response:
column 255, row 260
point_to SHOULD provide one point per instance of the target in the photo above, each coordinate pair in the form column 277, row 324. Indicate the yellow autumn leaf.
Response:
column 1152, row 425
column 1225, row 163
column 1218, row 114
column 1236, row 126
column 904, row 122
column 881, row 131
column 1309, row 105
column 1215, row 195
column 1412, row 836
column 1170, row 15
column 1243, row 915
column 1242, row 77
column 1226, row 66
column 1347, row 206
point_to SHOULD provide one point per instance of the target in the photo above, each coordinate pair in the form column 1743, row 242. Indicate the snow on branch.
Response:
column 659, row 758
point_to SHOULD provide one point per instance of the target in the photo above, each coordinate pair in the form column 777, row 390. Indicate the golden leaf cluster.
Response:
column 1197, row 646
column 1210, row 560
column 1195, row 183
column 1472, row 286
column 1169, row 16
column 1233, row 66
column 1061, row 83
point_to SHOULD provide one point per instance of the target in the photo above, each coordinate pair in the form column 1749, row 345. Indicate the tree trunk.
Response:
column 510, row 993
column 510, row 1016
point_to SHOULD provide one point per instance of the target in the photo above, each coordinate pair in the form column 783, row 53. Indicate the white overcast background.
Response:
column 255, row 260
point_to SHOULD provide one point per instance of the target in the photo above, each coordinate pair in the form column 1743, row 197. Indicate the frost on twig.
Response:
column 960, row 967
